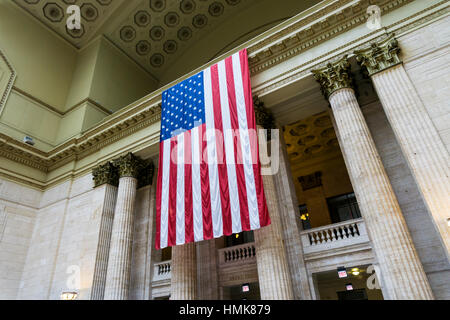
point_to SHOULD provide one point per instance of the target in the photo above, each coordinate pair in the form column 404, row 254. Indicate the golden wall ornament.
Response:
column 379, row 56
column 335, row 76
column 105, row 174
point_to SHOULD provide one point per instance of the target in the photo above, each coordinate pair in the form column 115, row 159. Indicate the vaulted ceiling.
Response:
column 154, row 33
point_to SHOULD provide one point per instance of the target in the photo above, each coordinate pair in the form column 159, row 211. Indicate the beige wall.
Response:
column 18, row 208
column 117, row 80
column 426, row 53
column 43, row 61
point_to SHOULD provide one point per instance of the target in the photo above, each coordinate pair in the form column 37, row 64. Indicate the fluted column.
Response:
column 183, row 283
column 401, row 270
column 418, row 138
column 119, row 264
column 106, row 177
column 271, row 260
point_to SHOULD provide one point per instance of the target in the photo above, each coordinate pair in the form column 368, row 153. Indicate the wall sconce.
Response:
column 448, row 222
column 68, row 296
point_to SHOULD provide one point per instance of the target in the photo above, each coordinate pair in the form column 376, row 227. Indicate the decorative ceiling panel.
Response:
column 53, row 13
column 159, row 31
column 310, row 138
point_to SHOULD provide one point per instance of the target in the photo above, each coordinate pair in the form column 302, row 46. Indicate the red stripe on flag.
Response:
column 158, row 197
column 264, row 218
column 172, row 237
column 221, row 157
column 206, row 193
column 189, row 216
column 243, row 202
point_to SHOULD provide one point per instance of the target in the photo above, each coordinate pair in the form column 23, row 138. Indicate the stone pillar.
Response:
column 402, row 272
column 119, row 264
column 207, row 262
column 273, row 271
column 417, row 136
column 288, row 206
column 104, row 176
column 183, row 284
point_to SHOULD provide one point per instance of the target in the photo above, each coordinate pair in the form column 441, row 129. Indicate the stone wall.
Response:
column 18, row 207
column 426, row 55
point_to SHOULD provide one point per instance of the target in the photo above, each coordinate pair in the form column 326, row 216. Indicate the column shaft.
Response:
column 183, row 284
column 420, row 143
column 104, row 239
column 402, row 272
column 273, row 271
column 119, row 264
column 288, row 205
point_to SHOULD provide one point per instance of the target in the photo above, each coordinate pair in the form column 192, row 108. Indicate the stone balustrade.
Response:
column 333, row 236
column 162, row 271
column 240, row 253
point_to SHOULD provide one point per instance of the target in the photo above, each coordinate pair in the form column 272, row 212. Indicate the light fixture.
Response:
column 245, row 287
column 356, row 271
column 68, row 296
column 349, row 287
column 304, row 216
column 448, row 222
column 237, row 235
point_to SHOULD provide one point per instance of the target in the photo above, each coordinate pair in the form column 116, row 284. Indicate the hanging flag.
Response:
column 209, row 178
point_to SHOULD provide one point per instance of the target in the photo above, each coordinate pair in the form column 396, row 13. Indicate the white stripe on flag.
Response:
column 216, row 207
column 196, row 186
column 180, row 234
column 245, row 144
column 229, row 150
column 164, row 231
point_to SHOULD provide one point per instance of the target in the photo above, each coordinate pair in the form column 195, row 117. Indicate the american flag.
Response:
column 209, row 178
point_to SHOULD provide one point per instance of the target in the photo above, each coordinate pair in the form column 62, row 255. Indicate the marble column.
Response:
column 271, row 260
column 418, row 138
column 183, row 283
column 207, row 263
column 119, row 263
column 401, row 270
column 105, row 180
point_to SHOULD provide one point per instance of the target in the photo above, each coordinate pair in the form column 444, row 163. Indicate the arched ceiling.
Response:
column 154, row 33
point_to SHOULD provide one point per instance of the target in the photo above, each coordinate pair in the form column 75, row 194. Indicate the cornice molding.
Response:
column 56, row 110
column 399, row 27
column 315, row 29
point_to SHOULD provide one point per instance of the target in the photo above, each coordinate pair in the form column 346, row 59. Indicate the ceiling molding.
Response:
column 11, row 79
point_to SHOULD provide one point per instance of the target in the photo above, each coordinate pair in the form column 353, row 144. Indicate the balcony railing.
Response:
column 237, row 254
column 347, row 233
column 162, row 271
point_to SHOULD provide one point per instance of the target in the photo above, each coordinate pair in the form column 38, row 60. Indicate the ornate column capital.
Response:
column 105, row 174
column 335, row 76
column 263, row 116
column 128, row 165
column 379, row 56
column 146, row 174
